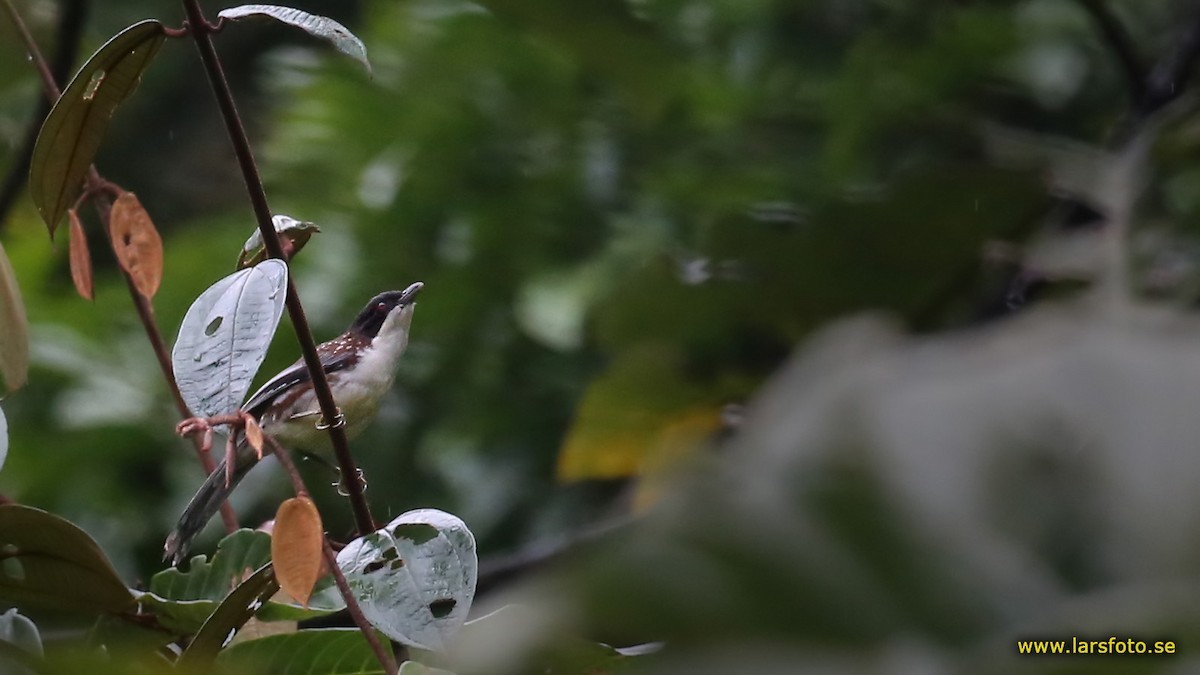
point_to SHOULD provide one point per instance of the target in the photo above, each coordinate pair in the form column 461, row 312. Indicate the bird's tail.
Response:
column 206, row 502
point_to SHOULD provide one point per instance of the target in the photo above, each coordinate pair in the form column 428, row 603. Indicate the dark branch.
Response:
column 385, row 659
column 500, row 569
column 101, row 191
column 262, row 213
column 1167, row 81
column 1120, row 43
column 66, row 48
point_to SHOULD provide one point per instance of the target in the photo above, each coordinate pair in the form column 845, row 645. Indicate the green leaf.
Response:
column 317, row 26
column 233, row 613
column 75, row 127
column 14, row 328
column 184, row 601
column 415, row 577
column 225, row 335
column 328, row 651
column 46, row 561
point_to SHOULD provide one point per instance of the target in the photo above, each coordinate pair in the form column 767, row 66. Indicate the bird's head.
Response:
column 387, row 315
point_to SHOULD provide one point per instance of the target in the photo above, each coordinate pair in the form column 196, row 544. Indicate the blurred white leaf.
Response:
column 20, row 632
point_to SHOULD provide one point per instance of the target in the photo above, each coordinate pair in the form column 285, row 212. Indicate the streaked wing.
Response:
column 293, row 375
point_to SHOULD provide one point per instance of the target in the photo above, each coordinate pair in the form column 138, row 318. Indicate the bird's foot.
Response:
column 344, row 490
column 195, row 425
column 339, row 420
column 205, row 425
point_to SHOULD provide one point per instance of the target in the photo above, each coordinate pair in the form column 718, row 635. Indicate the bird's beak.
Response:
column 410, row 293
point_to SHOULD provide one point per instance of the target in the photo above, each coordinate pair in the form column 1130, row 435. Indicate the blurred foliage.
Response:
column 628, row 215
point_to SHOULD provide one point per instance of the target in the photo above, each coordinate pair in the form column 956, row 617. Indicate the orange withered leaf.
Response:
column 296, row 546
column 136, row 243
column 81, row 258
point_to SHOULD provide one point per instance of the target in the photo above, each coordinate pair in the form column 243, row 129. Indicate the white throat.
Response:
column 389, row 343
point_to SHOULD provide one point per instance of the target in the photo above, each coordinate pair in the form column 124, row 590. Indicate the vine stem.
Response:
column 385, row 659
column 145, row 310
column 201, row 34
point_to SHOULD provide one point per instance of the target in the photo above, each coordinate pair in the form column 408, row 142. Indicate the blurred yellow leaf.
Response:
column 675, row 441
column 296, row 545
column 638, row 415
column 81, row 259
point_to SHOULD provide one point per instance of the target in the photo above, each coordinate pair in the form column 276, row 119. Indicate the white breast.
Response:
column 357, row 390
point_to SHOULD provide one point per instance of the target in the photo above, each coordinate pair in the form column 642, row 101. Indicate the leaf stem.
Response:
column 201, row 30
column 385, row 659
column 100, row 189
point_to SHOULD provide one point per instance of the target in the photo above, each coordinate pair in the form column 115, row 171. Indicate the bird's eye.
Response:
column 381, row 306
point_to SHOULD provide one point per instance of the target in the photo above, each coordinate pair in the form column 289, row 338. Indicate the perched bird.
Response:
column 360, row 365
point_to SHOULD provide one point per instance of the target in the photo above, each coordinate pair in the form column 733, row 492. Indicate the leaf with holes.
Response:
column 225, row 335
column 183, row 600
column 296, row 545
column 48, row 562
column 293, row 234
column 75, row 127
column 317, row 26
column 414, row 578
column 81, row 258
column 136, row 243
column 14, row 328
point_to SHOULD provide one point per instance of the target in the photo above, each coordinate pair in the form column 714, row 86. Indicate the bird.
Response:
column 360, row 365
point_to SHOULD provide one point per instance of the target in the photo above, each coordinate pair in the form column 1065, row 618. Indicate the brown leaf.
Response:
column 136, row 243
column 81, row 259
column 254, row 435
column 296, row 546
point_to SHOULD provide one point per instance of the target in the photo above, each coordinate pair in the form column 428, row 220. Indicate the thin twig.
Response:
column 97, row 185
column 35, row 54
column 504, row 568
column 201, row 30
column 66, row 48
column 385, row 658
column 145, row 311
column 1118, row 40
